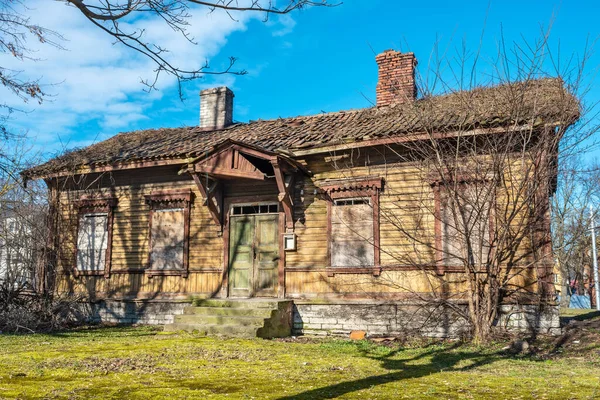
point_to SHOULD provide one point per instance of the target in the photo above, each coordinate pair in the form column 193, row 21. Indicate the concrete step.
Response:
column 231, row 311
column 266, row 318
column 224, row 330
column 220, row 319
column 232, row 303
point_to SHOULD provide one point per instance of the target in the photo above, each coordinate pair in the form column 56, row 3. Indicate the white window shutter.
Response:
column 92, row 242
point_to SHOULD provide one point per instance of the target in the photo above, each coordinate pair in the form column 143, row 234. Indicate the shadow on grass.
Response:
column 442, row 359
column 569, row 315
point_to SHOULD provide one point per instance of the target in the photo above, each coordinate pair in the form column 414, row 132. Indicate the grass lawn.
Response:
column 143, row 363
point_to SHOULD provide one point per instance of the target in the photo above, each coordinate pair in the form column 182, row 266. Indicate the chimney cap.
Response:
column 214, row 90
column 391, row 53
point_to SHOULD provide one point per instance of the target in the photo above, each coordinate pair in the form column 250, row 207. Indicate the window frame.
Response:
column 96, row 205
column 365, row 188
column 440, row 265
column 172, row 199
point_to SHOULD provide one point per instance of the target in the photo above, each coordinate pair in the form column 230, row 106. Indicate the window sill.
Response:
column 166, row 272
column 88, row 273
column 332, row 271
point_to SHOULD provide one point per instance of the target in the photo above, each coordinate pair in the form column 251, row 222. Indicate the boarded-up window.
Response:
column 92, row 242
column 352, row 233
column 167, row 239
column 465, row 217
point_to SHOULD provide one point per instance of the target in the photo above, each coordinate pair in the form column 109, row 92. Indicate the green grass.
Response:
column 579, row 314
column 141, row 363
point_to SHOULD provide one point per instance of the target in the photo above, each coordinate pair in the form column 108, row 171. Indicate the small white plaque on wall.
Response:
column 289, row 241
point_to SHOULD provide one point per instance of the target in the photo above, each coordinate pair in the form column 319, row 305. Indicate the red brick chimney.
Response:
column 396, row 78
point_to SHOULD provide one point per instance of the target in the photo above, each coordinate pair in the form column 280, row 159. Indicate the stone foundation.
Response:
column 530, row 318
column 149, row 312
column 393, row 319
column 397, row 319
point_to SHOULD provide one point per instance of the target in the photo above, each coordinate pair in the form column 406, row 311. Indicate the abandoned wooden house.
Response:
column 279, row 225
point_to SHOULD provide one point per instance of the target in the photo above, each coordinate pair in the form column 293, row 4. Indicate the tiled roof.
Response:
column 536, row 101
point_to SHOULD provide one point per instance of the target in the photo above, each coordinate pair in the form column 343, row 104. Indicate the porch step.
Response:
column 236, row 318
column 231, row 311
column 220, row 320
column 214, row 329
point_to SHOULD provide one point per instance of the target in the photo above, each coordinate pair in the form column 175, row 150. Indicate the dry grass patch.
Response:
column 143, row 363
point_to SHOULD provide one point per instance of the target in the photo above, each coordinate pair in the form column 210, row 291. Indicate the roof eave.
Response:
column 412, row 137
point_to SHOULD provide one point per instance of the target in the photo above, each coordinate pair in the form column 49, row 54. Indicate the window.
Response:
column 169, row 233
column 353, row 218
column 464, row 224
column 166, row 250
column 94, row 236
column 352, row 233
column 92, row 242
column 267, row 208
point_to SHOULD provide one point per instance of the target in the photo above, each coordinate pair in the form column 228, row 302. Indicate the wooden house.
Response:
column 288, row 211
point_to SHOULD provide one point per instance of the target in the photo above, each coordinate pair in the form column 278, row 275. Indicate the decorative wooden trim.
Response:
column 229, row 173
column 48, row 269
column 542, row 226
column 112, row 167
column 225, row 275
column 163, row 200
column 89, row 204
column 360, row 187
column 285, row 194
column 210, row 198
column 79, row 273
column 169, row 199
column 143, row 271
column 332, row 271
column 282, row 255
column 352, row 187
column 376, row 232
column 439, row 255
column 165, row 272
column 329, row 231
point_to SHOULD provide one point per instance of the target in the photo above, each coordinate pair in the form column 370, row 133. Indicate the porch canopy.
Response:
column 231, row 160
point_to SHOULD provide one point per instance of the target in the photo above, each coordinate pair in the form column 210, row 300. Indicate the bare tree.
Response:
column 474, row 214
column 113, row 17
column 577, row 190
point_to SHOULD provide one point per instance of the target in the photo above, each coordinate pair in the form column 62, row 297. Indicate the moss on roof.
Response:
column 535, row 102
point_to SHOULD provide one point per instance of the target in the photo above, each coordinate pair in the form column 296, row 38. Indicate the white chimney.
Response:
column 216, row 108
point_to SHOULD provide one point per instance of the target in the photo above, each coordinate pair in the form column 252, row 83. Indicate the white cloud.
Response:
column 285, row 24
column 97, row 82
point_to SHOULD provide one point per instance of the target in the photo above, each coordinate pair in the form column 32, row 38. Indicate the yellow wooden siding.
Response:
column 407, row 199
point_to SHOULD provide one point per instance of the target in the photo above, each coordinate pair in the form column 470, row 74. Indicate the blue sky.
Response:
column 319, row 59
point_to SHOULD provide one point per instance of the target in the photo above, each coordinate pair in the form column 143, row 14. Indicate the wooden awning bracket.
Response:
column 285, row 185
column 212, row 196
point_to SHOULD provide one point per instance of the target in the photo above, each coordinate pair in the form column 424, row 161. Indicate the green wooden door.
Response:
column 253, row 255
